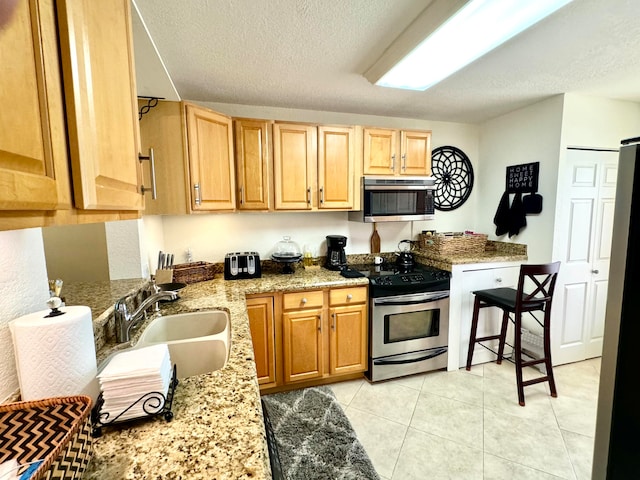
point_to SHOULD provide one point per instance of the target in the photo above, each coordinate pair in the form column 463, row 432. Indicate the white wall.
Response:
column 593, row 122
column 96, row 251
column 23, row 290
column 530, row 134
column 211, row 236
column 77, row 253
column 598, row 122
column 154, row 241
column 126, row 249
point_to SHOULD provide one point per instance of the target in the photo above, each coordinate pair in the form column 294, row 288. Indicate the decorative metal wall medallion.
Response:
column 453, row 172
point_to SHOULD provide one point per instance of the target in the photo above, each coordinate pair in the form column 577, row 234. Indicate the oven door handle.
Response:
column 431, row 354
column 410, row 299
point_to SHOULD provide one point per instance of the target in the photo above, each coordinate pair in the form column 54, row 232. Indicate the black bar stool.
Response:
column 542, row 280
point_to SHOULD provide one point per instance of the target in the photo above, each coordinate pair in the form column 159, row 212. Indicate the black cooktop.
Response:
column 392, row 279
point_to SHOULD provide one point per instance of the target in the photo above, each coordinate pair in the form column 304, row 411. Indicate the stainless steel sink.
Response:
column 199, row 342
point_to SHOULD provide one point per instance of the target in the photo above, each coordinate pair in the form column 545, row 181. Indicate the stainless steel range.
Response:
column 408, row 319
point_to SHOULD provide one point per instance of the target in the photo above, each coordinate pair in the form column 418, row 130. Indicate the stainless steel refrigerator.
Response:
column 617, row 438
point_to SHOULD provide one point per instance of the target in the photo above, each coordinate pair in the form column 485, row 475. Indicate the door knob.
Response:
column 595, row 271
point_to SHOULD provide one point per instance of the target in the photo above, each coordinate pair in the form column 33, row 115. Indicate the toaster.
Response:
column 239, row 265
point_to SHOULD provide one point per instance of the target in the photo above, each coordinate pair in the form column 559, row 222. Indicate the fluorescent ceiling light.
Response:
column 477, row 28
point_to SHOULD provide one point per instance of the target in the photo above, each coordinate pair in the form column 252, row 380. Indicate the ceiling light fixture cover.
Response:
column 477, row 28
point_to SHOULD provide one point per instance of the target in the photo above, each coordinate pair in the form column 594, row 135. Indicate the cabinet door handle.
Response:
column 333, row 322
column 196, row 189
column 404, row 161
column 241, row 195
column 595, row 271
column 319, row 323
column 349, row 296
column 309, row 195
column 152, row 163
column 321, row 195
column 393, row 161
column 498, row 280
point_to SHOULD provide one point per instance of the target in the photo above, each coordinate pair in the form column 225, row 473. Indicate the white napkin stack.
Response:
column 132, row 374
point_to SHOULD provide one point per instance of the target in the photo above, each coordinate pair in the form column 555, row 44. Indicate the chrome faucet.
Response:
column 125, row 320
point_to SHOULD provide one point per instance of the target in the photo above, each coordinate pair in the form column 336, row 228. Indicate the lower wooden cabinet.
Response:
column 348, row 334
column 302, row 344
column 309, row 336
column 261, row 322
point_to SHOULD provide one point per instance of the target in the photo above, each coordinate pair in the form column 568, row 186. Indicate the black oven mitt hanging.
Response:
column 517, row 216
column 532, row 203
column 502, row 216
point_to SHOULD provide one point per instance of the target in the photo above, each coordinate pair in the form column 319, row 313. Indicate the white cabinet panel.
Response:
column 464, row 283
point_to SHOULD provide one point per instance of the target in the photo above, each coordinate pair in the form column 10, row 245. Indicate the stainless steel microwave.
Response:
column 395, row 199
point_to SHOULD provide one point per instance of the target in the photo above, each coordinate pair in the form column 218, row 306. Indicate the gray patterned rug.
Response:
column 314, row 437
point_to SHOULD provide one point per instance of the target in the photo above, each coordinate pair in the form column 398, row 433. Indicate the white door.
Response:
column 582, row 243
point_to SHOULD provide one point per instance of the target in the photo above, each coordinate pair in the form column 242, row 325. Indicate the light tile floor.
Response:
column 468, row 425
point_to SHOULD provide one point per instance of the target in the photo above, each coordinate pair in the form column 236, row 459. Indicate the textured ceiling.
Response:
column 311, row 54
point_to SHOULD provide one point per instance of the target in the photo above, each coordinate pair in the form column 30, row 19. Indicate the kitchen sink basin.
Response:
column 199, row 342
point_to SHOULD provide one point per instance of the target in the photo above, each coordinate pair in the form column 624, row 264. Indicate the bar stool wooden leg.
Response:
column 474, row 331
column 547, row 354
column 518, row 356
column 503, row 335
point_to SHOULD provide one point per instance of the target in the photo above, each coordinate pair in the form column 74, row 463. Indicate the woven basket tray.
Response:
column 193, row 272
column 54, row 430
column 456, row 244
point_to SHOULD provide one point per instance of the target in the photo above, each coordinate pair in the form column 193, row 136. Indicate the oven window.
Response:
column 400, row 327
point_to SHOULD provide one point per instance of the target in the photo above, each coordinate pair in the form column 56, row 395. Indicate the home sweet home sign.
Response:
column 523, row 178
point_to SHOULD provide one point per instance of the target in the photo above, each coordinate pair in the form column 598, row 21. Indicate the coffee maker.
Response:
column 336, row 258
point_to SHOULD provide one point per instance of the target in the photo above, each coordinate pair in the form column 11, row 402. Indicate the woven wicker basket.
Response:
column 54, row 430
column 193, row 272
column 456, row 244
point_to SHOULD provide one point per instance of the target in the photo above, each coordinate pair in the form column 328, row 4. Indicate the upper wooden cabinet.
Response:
column 295, row 160
column 253, row 164
column 193, row 150
column 29, row 137
column 102, row 116
column 37, row 132
column 210, row 144
column 313, row 167
column 336, row 163
column 395, row 152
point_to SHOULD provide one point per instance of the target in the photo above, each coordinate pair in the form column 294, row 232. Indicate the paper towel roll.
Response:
column 55, row 356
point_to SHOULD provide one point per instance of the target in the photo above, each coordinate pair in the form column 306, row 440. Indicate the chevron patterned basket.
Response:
column 54, row 430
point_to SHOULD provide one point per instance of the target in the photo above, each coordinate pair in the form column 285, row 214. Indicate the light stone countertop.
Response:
column 494, row 252
column 217, row 431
